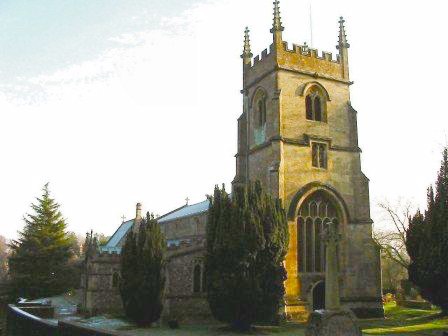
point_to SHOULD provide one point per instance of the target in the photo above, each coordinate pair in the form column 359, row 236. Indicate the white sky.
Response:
column 115, row 102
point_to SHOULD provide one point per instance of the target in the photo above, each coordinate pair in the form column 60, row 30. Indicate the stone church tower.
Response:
column 298, row 135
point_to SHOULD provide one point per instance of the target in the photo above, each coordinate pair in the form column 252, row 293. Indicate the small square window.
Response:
column 319, row 155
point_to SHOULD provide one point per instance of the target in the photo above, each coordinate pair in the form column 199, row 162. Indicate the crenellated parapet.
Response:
column 299, row 58
column 105, row 257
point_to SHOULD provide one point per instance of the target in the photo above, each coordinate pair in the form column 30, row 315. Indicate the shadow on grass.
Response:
column 406, row 321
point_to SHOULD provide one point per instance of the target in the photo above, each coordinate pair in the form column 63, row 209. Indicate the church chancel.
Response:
column 298, row 135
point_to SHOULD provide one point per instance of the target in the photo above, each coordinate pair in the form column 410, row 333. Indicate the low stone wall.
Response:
column 78, row 329
column 22, row 323
column 187, row 310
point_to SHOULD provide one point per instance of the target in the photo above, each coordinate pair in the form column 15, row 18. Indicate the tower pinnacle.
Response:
column 247, row 54
column 343, row 46
column 342, row 43
column 277, row 27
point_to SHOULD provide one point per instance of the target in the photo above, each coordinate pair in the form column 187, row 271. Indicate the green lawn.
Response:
column 405, row 321
column 398, row 321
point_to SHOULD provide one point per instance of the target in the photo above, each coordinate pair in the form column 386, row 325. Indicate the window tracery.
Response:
column 315, row 105
column 315, row 213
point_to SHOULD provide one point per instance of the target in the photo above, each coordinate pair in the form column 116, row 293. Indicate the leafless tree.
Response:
column 393, row 241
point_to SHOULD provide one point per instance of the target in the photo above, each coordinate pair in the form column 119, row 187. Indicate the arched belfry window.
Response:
column 259, row 116
column 314, row 215
column 315, row 104
column 261, row 110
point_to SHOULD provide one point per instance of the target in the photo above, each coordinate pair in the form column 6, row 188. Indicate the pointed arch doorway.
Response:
column 318, row 295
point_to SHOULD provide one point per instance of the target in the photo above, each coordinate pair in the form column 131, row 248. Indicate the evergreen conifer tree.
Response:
column 131, row 276
column 142, row 273
column 427, row 243
column 39, row 260
column 247, row 239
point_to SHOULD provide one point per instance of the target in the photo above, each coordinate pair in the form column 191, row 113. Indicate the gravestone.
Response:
column 332, row 321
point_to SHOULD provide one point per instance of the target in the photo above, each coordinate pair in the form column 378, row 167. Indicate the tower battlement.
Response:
column 298, row 58
column 302, row 50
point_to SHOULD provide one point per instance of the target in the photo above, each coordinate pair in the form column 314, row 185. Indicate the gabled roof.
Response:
column 185, row 211
column 119, row 234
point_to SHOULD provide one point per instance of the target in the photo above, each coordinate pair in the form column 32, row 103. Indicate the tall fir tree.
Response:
column 427, row 243
column 142, row 273
column 247, row 239
column 39, row 261
column 131, row 276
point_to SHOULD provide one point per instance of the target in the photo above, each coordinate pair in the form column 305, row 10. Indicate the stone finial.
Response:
column 342, row 43
column 277, row 26
column 247, row 54
column 138, row 211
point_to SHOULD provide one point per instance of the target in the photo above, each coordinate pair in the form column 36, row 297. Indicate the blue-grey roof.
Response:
column 112, row 246
column 186, row 211
column 119, row 234
column 110, row 250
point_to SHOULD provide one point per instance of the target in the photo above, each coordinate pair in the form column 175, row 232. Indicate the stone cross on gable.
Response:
column 123, row 218
column 187, row 200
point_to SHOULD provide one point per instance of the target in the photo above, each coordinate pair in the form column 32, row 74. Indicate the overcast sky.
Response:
column 122, row 101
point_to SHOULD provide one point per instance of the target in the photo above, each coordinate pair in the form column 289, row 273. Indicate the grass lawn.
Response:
column 405, row 321
column 398, row 321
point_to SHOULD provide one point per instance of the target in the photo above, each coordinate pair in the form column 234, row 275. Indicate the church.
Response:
column 298, row 135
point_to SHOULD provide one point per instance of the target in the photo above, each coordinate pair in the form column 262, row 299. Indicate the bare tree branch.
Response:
column 393, row 241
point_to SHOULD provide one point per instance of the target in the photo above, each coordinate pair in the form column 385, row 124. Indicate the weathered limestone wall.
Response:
column 181, row 302
column 100, row 294
column 282, row 161
column 185, row 227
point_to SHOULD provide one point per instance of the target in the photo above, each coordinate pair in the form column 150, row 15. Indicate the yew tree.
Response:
column 247, row 240
column 427, row 243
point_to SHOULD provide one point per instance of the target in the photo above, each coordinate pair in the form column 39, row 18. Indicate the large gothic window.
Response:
column 315, row 105
column 315, row 213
